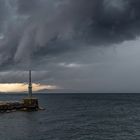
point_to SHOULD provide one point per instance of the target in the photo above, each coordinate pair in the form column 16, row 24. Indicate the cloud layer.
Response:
column 60, row 37
column 30, row 29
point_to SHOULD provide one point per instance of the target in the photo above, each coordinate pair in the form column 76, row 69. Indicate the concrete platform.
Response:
column 31, row 103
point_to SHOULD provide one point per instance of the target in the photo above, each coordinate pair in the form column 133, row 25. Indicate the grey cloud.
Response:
column 27, row 7
column 22, row 76
column 48, row 26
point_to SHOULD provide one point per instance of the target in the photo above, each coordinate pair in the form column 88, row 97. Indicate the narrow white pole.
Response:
column 30, row 84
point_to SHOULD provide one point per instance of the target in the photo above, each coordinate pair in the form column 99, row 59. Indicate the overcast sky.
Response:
column 76, row 45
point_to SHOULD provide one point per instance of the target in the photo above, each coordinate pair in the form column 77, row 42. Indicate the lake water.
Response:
column 75, row 117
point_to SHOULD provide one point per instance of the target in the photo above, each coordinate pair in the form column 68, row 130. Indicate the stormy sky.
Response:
column 77, row 45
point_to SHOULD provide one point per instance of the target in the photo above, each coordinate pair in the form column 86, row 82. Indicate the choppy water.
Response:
column 75, row 117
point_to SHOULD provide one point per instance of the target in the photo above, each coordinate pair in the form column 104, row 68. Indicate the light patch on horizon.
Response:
column 23, row 87
column 70, row 65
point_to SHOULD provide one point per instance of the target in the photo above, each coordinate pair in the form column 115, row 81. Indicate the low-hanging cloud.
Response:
column 32, row 29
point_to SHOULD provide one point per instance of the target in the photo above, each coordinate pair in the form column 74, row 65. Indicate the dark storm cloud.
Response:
column 51, row 26
column 36, row 31
column 3, row 13
column 27, row 7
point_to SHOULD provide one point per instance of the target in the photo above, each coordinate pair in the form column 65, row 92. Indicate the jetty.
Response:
column 29, row 103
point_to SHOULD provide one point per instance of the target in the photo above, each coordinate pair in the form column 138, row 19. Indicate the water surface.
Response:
column 75, row 117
